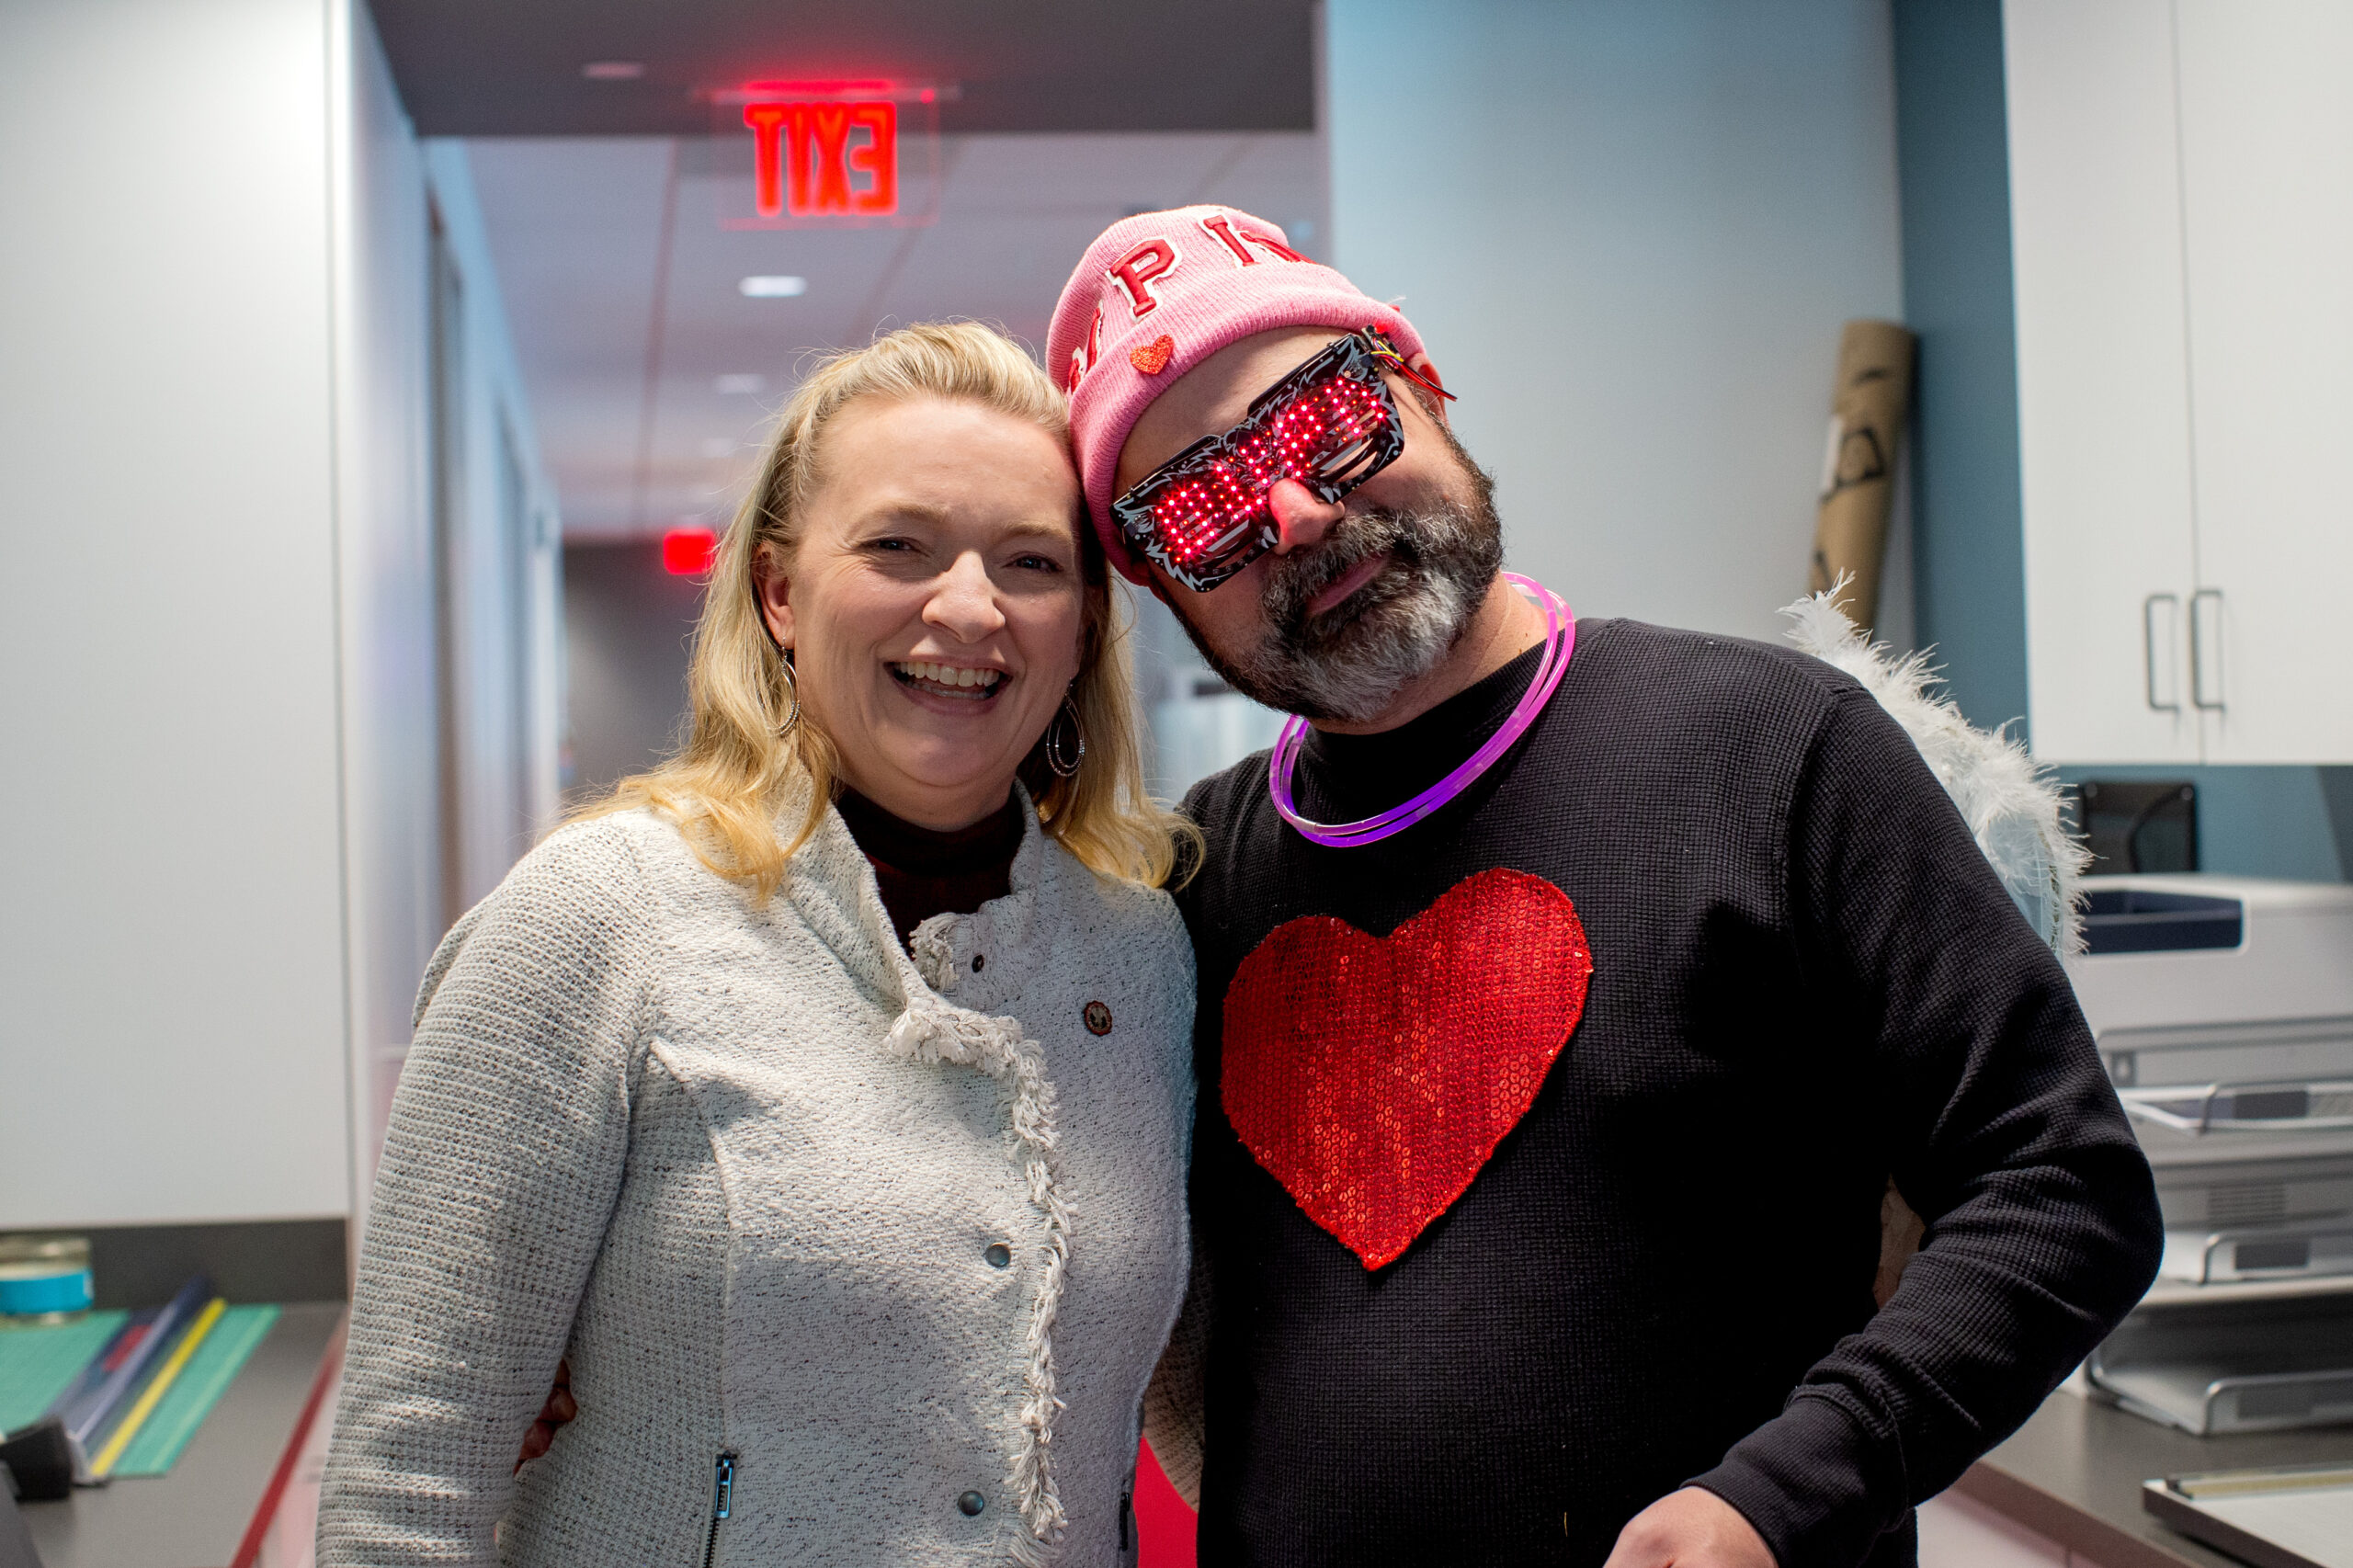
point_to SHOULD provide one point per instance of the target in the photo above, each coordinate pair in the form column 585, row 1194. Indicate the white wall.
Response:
column 219, row 831
column 506, row 609
column 384, row 472
column 508, row 588
column 171, row 933
column 1630, row 231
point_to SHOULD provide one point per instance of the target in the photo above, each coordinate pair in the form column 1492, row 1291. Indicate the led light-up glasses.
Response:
column 1331, row 425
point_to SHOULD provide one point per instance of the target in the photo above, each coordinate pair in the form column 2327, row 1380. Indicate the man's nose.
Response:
column 963, row 601
column 1300, row 518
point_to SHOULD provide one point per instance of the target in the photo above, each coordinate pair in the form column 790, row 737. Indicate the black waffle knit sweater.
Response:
column 1804, row 978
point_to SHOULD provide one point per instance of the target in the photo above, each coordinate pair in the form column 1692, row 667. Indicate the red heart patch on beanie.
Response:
column 1153, row 358
column 1374, row 1077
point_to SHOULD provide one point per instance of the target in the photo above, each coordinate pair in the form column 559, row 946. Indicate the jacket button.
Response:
column 998, row 1255
column 1097, row 1016
column 971, row 1504
column 980, row 961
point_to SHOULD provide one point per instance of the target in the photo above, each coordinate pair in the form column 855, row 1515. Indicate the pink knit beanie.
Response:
column 1157, row 294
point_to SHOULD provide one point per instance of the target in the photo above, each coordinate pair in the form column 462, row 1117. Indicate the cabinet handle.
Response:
column 2206, row 648
column 2161, row 630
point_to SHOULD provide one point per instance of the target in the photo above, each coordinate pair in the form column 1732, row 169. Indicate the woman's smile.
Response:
column 965, row 685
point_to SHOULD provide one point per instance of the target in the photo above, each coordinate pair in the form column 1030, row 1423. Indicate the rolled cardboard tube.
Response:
column 1867, row 409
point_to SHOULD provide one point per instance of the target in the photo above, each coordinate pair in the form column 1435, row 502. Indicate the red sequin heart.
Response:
column 1373, row 1077
column 1153, row 358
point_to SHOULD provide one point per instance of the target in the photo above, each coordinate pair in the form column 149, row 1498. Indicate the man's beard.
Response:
column 1348, row 663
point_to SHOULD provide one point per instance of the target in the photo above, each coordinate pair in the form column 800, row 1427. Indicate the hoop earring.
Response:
column 1055, row 747
column 791, row 695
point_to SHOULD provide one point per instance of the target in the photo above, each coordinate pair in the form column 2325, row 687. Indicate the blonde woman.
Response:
column 824, row 1097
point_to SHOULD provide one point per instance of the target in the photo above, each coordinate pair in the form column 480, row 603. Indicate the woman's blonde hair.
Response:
column 725, row 786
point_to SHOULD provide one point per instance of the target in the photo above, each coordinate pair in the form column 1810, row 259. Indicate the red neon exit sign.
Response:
column 812, row 159
column 831, row 153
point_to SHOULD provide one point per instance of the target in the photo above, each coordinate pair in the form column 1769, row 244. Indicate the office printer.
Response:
column 2223, row 1010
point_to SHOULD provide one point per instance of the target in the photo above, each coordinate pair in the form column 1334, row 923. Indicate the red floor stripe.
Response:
column 1165, row 1524
column 330, row 1369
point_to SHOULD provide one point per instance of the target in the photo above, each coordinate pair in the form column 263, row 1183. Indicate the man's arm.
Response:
column 2042, row 1228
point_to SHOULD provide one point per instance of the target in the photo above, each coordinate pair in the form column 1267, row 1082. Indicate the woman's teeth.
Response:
column 961, row 680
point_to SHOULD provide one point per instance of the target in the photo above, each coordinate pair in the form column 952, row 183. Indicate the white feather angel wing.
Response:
column 2012, row 805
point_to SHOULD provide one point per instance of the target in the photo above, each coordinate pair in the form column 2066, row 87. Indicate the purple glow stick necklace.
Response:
column 1560, row 646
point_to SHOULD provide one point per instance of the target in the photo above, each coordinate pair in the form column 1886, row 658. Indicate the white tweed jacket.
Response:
column 858, row 1259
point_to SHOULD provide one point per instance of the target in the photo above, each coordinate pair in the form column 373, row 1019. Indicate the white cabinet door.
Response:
column 2103, row 410
column 2266, row 151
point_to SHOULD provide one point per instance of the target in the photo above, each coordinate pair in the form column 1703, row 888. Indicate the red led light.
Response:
column 1310, row 439
column 686, row 552
column 1330, row 425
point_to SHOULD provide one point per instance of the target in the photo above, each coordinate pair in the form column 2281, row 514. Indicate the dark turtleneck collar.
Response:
column 1346, row 777
column 923, row 872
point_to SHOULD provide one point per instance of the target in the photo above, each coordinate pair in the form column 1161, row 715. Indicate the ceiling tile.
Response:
column 577, row 233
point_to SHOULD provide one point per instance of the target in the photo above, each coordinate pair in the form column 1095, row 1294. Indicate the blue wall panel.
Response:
column 1968, row 531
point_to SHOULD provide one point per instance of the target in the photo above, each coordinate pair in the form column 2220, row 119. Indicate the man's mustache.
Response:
column 1356, row 539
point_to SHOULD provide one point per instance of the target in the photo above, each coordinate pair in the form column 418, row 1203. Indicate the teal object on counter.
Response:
column 194, row 1392
column 38, row 1361
column 28, row 1294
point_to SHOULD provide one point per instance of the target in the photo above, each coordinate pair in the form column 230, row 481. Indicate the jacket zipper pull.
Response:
column 723, row 1503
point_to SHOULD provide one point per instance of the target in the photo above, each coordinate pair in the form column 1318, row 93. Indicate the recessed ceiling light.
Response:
column 740, row 385
column 613, row 70
column 772, row 286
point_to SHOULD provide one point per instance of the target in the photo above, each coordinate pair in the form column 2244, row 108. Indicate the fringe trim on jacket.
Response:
column 996, row 1046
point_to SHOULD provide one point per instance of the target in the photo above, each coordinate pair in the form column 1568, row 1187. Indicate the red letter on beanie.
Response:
column 1268, row 242
column 1233, row 235
column 1222, row 227
column 1135, row 271
column 1082, row 358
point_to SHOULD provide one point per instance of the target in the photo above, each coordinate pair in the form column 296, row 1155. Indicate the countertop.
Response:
column 2074, row 1474
column 198, row 1516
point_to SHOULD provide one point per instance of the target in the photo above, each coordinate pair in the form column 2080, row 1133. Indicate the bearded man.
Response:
column 1569, row 991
